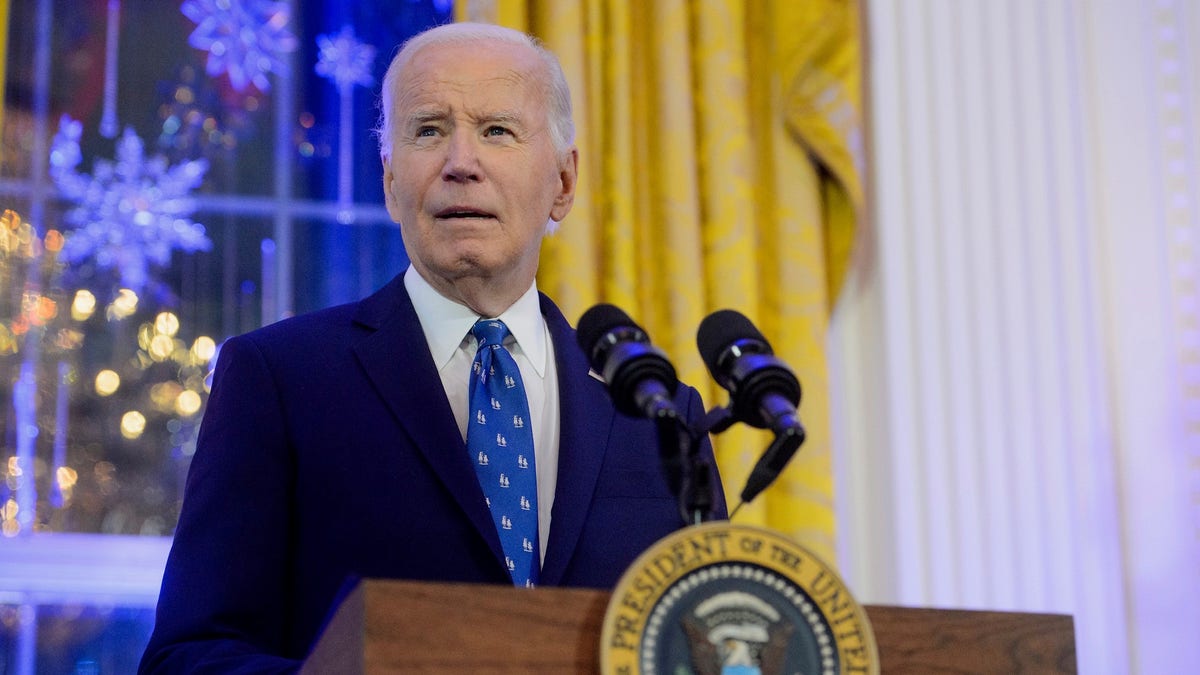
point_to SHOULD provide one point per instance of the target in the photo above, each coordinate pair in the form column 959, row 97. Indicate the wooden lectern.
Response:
column 401, row 626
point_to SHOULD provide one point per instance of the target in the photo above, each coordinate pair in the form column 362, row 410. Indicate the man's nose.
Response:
column 462, row 158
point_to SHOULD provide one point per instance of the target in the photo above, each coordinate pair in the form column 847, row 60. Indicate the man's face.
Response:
column 473, row 176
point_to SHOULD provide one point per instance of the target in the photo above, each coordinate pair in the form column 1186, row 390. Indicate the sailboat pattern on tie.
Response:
column 502, row 447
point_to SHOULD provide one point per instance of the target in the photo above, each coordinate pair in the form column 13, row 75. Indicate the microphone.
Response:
column 764, row 391
column 640, row 379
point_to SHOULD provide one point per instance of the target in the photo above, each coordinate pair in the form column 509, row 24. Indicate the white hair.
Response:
column 562, row 127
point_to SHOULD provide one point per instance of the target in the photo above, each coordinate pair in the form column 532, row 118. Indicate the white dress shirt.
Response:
column 447, row 326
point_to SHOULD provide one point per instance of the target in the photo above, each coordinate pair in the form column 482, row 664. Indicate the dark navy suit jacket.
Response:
column 329, row 451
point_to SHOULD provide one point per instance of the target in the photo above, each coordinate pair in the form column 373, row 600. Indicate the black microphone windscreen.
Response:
column 719, row 330
column 598, row 321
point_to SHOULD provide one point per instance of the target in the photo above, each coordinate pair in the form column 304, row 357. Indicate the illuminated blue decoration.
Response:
column 244, row 38
column 442, row 6
column 129, row 213
column 345, row 60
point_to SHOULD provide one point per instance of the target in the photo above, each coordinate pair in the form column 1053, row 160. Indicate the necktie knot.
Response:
column 490, row 332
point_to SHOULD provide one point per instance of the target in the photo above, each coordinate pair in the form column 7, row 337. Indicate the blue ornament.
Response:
column 130, row 213
column 244, row 38
column 345, row 60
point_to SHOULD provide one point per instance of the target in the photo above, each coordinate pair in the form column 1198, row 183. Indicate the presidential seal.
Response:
column 722, row 599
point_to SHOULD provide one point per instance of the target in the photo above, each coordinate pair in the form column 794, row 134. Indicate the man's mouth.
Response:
column 462, row 212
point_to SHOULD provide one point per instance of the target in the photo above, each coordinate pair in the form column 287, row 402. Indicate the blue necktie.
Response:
column 500, row 443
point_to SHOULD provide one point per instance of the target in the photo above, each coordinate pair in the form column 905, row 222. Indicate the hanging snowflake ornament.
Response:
column 130, row 213
column 244, row 38
column 345, row 60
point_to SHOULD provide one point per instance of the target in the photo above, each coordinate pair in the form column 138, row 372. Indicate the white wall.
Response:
column 1016, row 362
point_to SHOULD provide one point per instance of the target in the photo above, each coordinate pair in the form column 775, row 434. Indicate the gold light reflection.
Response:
column 38, row 309
column 66, row 477
column 107, row 382
column 188, row 403
column 8, row 342
column 8, row 515
column 161, row 347
column 83, row 306
column 13, row 476
column 164, row 394
column 16, row 236
column 47, row 309
column 145, row 335
column 133, row 423
column 53, row 241
column 125, row 304
column 166, row 323
column 203, row 349
column 181, row 355
column 67, row 339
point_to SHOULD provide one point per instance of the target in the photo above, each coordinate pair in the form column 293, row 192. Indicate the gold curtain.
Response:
column 718, row 168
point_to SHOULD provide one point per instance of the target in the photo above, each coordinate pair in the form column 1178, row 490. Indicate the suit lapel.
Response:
column 586, row 417
column 397, row 361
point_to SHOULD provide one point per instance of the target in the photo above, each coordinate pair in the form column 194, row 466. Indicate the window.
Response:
column 166, row 182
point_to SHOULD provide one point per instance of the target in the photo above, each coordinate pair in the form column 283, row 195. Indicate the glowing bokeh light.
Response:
column 203, row 349
column 133, row 423
column 124, row 305
column 145, row 335
column 8, row 518
column 53, row 241
column 107, row 382
column 83, row 306
column 45, row 310
column 66, row 477
column 161, row 347
column 188, row 403
column 166, row 323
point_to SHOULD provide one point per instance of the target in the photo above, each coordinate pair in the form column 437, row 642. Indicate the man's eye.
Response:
column 425, row 132
column 497, row 131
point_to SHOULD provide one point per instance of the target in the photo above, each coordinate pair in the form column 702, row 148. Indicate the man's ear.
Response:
column 389, row 198
column 568, row 179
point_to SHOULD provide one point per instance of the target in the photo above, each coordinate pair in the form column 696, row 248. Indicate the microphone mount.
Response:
column 763, row 391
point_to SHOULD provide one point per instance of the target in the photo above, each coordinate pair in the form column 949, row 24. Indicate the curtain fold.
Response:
column 719, row 168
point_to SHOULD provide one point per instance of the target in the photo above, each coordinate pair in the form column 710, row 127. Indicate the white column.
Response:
column 1145, row 99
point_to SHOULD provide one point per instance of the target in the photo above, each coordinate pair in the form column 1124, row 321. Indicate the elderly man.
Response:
column 445, row 428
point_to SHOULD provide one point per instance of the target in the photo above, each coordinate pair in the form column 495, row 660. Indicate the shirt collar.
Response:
column 447, row 324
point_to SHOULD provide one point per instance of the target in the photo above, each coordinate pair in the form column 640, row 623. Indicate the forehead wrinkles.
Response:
column 435, row 90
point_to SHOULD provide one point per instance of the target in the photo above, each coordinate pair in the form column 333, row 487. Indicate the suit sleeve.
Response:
column 224, row 602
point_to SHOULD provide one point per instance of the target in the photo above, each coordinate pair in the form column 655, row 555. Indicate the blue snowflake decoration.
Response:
column 130, row 213
column 244, row 38
column 345, row 60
